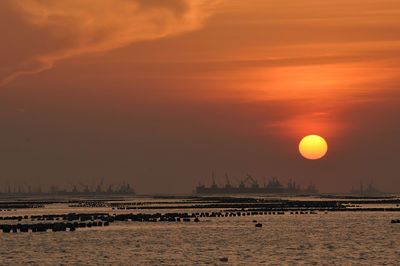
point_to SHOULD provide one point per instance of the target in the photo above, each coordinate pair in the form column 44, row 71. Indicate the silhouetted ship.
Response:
column 26, row 190
column 369, row 190
column 250, row 185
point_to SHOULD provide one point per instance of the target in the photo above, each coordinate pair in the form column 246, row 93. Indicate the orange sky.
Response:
column 159, row 93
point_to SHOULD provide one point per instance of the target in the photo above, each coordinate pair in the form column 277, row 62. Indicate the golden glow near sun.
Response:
column 313, row 147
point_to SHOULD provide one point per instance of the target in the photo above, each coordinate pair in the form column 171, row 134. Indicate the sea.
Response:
column 322, row 237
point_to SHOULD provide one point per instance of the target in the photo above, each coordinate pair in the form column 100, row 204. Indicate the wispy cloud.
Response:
column 77, row 27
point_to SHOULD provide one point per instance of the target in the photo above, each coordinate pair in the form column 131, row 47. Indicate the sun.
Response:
column 313, row 147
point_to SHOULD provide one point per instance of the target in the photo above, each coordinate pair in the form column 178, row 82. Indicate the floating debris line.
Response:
column 204, row 208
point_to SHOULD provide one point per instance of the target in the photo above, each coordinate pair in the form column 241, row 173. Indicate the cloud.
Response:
column 63, row 29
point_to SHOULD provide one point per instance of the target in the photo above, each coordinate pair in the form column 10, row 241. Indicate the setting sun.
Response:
column 313, row 147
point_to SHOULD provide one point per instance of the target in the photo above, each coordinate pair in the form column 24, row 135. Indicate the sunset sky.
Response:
column 160, row 93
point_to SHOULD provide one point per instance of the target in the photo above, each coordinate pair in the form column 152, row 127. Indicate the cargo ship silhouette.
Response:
column 249, row 185
column 86, row 190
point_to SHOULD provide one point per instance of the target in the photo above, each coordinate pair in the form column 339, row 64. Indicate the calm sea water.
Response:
column 335, row 238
